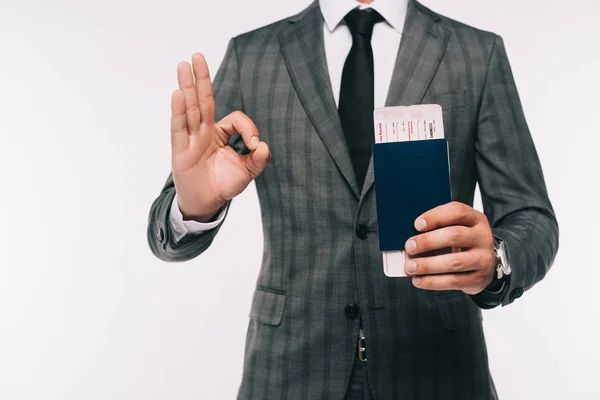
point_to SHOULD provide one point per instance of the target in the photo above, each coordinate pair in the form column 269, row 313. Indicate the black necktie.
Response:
column 357, row 102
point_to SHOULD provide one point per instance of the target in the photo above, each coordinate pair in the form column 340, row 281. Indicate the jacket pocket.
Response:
column 267, row 306
column 458, row 311
column 450, row 100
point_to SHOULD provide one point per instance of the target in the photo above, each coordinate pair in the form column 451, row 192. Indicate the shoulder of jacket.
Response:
column 460, row 29
column 271, row 30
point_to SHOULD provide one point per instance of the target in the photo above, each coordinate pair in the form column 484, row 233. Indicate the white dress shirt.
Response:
column 337, row 41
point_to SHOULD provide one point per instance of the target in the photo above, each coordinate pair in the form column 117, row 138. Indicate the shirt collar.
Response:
column 394, row 11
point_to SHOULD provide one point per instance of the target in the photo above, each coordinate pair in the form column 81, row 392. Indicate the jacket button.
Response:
column 160, row 235
column 351, row 311
column 362, row 232
column 515, row 294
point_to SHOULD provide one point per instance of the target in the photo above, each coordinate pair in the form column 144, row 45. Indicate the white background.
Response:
column 86, row 312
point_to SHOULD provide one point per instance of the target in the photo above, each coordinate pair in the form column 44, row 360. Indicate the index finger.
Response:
column 238, row 122
column 453, row 213
column 204, row 90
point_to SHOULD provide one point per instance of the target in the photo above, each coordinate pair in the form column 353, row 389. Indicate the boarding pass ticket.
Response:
column 400, row 124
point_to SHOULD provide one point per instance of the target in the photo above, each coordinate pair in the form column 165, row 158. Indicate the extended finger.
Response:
column 186, row 84
column 450, row 236
column 443, row 264
column 459, row 281
column 179, row 133
column 453, row 213
column 204, row 90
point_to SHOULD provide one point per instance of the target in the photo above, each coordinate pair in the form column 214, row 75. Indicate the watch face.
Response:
column 501, row 251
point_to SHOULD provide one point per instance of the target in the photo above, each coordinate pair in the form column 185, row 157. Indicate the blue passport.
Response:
column 410, row 178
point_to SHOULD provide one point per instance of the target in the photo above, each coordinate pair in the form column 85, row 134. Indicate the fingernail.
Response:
column 411, row 246
column 254, row 141
column 420, row 224
column 416, row 281
column 411, row 267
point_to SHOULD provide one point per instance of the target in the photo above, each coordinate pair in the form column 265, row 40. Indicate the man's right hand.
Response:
column 206, row 171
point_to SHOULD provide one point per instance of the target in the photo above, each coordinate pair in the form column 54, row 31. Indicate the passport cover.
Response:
column 410, row 178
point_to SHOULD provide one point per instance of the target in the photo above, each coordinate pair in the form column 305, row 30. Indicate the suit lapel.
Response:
column 304, row 55
column 422, row 47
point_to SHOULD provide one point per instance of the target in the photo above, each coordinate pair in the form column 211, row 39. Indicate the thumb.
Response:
column 258, row 159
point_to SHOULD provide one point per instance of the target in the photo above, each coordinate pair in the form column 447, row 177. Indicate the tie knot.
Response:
column 361, row 22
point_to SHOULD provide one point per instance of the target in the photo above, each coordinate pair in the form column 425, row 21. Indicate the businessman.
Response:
column 291, row 108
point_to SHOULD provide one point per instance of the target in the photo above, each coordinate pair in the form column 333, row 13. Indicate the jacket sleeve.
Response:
column 160, row 235
column 514, row 195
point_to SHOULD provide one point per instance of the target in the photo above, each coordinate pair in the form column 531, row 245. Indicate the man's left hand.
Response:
column 458, row 226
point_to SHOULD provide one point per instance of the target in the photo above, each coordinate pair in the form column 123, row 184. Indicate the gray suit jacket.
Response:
column 421, row 344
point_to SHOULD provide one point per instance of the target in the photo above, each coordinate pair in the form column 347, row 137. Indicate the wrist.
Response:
column 202, row 214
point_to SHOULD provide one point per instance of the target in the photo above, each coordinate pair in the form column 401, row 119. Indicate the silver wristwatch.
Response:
column 502, row 266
